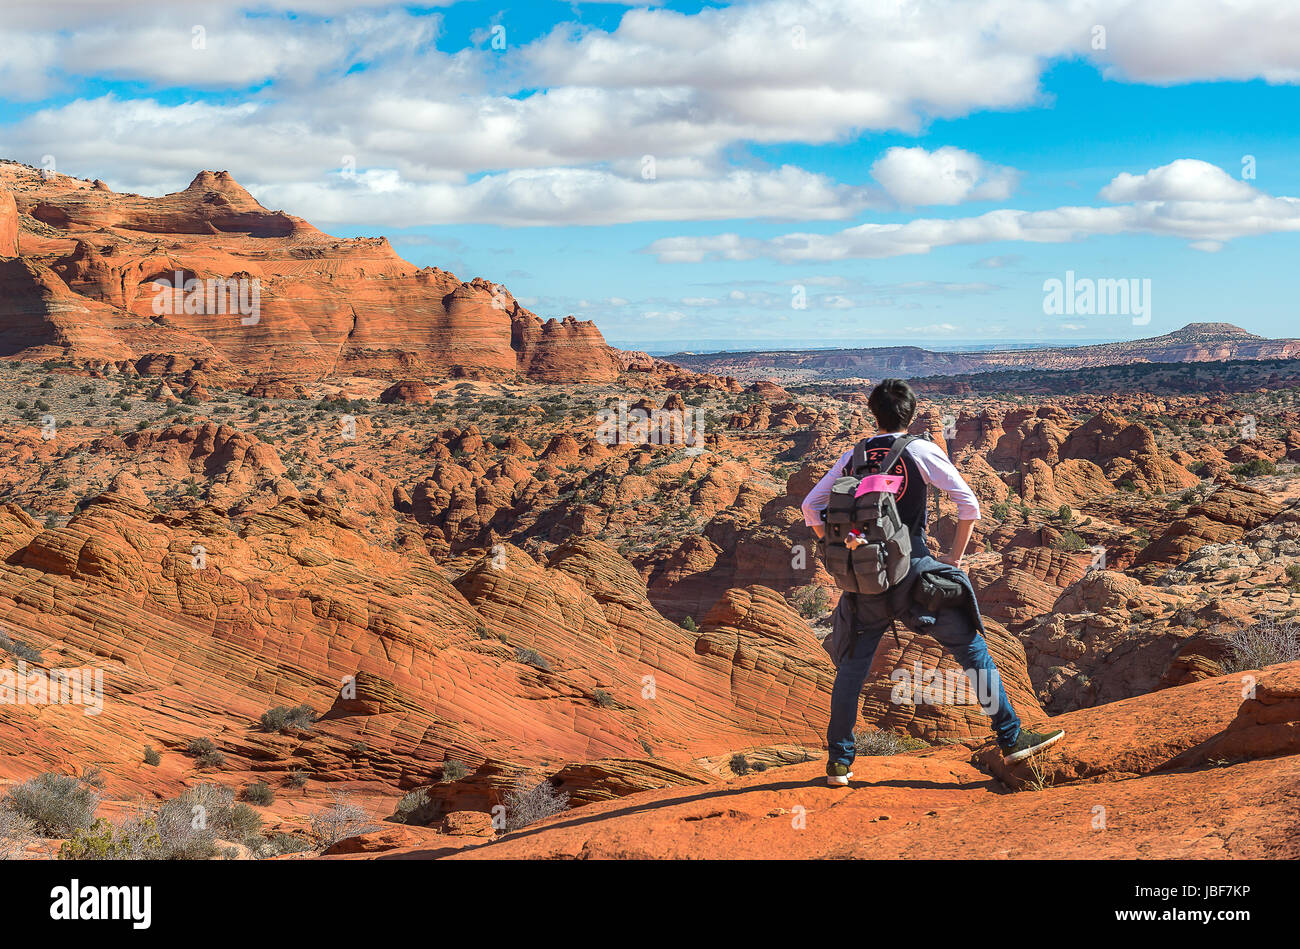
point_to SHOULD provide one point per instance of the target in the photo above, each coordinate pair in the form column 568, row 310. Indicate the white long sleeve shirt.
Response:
column 935, row 467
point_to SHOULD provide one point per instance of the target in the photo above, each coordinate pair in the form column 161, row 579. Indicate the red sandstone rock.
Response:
column 8, row 225
column 324, row 306
column 407, row 393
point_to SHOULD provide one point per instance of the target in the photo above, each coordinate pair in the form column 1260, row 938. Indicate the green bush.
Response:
column 1070, row 542
column 1255, row 468
column 136, row 838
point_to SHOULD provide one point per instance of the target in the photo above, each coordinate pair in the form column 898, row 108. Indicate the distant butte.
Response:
column 78, row 264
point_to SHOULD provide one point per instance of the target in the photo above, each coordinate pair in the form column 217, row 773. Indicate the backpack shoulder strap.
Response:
column 859, row 458
column 896, row 452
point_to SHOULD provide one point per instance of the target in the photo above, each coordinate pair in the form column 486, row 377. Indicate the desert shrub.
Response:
column 527, row 805
column 242, row 824
column 1255, row 468
column 340, row 820
column 135, row 838
column 877, row 743
column 19, row 649
column 259, row 793
column 1265, row 642
column 57, row 805
column 810, row 601
column 16, row 832
column 279, row 844
column 739, row 764
column 297, row 778
column 603, row 698
column 205, row 753
column 282, row 718
column 151, row 757
column 453, row 770
column 688, row 624
column 1064, row 514
column 531, row 657
column 189, row 826
column 1070, row 542
column 412, row 804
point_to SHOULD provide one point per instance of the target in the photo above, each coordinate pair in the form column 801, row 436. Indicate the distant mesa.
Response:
column 1195, row 342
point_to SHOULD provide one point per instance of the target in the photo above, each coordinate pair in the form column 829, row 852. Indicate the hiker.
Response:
column 873, row 502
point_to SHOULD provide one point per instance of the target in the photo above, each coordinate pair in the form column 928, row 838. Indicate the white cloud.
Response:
column 1183, row 180
column 579, row 108
column 570, row 195
column 1237, row 214
column 915, row 177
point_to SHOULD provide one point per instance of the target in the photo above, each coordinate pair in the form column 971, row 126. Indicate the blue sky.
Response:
column 683, row 174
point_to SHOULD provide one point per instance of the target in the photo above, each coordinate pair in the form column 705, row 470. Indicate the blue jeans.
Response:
column 952, row 628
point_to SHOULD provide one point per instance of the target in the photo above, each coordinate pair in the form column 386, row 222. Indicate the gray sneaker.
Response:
column 1029, row 743
column 837, row 775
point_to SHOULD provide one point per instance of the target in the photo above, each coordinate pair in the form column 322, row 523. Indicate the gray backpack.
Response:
column 867, row 547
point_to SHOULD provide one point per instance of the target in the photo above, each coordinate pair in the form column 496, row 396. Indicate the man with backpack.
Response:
column 869, row 510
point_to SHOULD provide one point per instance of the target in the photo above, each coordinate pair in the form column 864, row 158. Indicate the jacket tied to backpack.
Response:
column 867, row 548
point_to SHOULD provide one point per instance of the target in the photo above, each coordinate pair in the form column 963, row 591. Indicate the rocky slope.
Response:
column 1188, row 772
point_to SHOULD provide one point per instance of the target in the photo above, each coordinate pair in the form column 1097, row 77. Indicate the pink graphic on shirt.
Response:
column 877, row 482
column 898, row 476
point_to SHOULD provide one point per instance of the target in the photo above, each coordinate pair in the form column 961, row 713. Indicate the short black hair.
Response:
column 893, row 403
